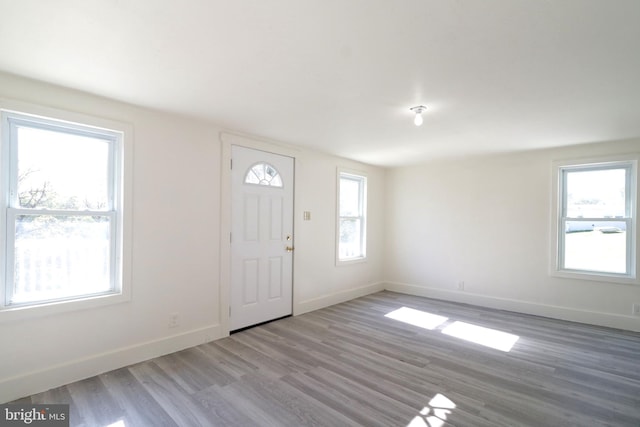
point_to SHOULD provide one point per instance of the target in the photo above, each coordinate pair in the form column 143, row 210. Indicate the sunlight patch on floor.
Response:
column 435, row 413
column 119, row 423
column 488, row 337
column 418, row 318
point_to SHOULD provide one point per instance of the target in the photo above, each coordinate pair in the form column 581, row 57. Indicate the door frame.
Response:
column 227, row 139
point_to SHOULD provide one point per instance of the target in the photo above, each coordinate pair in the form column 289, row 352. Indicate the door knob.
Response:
column 289, row 248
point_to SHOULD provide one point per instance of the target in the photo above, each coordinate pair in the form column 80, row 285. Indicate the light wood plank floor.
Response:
column 350, row 365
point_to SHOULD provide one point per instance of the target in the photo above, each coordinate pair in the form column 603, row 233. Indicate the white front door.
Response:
column 261, row 236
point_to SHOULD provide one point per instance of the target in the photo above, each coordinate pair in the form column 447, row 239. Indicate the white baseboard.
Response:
column 336, row 298
column 36, row 382
column 629, row 323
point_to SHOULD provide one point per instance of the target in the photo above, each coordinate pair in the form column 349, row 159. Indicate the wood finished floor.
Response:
column 349, row 365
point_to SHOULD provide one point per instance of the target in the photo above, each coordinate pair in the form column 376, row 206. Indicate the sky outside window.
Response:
column 72, row 169
column 596, row 194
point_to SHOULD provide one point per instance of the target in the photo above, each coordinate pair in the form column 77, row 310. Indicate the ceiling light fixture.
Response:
column 418, row 110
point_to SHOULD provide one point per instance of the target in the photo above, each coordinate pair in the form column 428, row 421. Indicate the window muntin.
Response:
column 352, row 198
column 596, row 219
column 61, row 220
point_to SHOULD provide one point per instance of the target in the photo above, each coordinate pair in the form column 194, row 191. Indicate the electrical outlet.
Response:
column 635, row 309
column 461, row 285
column 174, row 320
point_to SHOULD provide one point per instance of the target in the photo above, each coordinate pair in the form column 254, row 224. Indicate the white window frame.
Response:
column 560, row 168
column 361, row 178
column 119, row 135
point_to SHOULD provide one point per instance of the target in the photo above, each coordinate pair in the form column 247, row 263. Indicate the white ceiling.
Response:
column 340, row 75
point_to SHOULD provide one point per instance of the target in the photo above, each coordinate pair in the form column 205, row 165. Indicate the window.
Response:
column 596, row 219
column 62, row 211
column 352, row 210
column 263, row 174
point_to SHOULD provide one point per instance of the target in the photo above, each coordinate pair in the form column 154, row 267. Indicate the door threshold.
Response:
column 258, row 324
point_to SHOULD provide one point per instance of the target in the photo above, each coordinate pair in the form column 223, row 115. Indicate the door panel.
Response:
column 261, row 236
column 275, row 277
column 251, row 218
column 275, row 213
column 250, row 281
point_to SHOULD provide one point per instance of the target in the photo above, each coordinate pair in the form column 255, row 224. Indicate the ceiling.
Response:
column 339, row 76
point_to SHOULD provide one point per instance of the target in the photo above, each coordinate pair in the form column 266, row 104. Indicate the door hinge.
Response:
column 229, row 311
column 230, row 163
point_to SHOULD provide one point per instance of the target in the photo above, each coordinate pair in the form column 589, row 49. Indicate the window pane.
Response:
column 59, row 257
column 599, row 246
column 350, row 238
column 59, row 170
column 263, row 174
column 596, row 193
column 349, row 197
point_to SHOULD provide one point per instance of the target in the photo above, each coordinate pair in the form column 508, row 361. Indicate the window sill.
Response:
column 349, row 261
column 596, row 277
column 11, row 314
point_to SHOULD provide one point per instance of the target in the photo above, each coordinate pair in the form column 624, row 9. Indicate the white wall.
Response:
column 319, row 282
column 486, row 221
column 176, row 265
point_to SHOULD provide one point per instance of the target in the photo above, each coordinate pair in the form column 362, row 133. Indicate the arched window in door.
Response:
column 263, row 174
